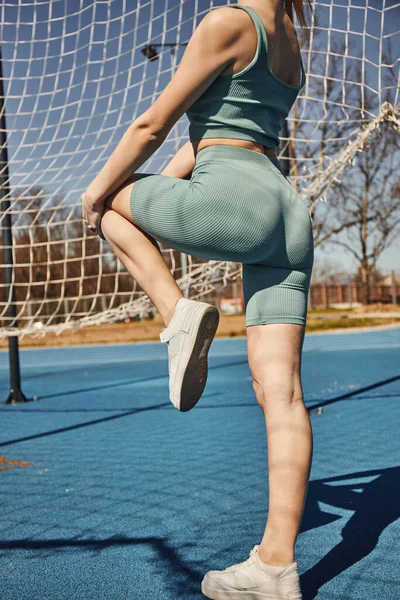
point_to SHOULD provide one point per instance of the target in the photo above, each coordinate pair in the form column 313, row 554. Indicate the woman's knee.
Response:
column 275, row 363
column 108, row 219
column 273, row 393
column 259, row 393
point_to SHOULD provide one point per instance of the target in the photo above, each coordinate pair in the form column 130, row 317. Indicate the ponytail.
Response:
column 298, row 6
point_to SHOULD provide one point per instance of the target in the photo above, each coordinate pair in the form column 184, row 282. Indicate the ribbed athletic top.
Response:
column 249, row 105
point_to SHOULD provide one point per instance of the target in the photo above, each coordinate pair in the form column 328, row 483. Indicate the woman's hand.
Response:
column 92, row 213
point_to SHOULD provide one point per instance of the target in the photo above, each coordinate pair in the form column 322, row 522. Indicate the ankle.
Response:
column 275, row 558
column 169, row 313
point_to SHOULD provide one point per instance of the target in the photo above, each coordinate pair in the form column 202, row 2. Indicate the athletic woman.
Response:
column 224, row 197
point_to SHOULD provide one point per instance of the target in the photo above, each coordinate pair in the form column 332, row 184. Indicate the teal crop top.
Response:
column 249, row 105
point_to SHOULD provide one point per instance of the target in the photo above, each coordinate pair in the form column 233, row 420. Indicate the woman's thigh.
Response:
column 219, row 214
column 185, row 215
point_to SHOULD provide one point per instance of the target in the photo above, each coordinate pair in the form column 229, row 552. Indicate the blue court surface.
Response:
column 128, row 498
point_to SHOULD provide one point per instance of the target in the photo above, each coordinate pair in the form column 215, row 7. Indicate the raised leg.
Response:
column 139, row 252
column 274, row 352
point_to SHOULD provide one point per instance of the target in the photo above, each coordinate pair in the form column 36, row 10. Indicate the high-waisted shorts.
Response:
column 237, row 206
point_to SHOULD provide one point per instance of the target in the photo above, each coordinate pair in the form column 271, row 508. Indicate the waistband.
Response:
column 237, row 153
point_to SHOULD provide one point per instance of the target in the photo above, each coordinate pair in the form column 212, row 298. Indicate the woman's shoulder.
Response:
column 226, row 17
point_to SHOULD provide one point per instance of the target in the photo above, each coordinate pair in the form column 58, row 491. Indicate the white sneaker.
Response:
column 189, row 335
column 253, row 580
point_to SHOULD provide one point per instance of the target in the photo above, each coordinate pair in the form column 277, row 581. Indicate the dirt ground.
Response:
column 378, row 308
column 229, row 326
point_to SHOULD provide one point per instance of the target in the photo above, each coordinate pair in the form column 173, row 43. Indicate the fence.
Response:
column 324, row 295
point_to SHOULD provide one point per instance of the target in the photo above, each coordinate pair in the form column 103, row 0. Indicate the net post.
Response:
column 350, row 292
column 16, row 394
column 394, row 298
column 285, row 164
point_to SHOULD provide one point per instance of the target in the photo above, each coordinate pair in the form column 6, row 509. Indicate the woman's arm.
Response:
column 210, row 50
column 182, row 164
column 137, row 145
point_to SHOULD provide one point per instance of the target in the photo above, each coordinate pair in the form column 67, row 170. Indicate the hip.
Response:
column 228, row 164
column 199, row 145
column 237, row 183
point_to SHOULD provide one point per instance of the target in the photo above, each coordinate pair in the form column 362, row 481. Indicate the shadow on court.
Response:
column 183, row 577
column 374, row 508
column 375, row 505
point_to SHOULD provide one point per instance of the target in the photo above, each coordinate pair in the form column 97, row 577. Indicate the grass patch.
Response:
column 333, row 311
column 321, row 325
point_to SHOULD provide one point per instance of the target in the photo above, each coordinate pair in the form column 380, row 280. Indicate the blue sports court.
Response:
column 127, row 498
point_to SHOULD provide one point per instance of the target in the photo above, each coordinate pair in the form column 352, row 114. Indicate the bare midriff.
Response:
column 203, row 143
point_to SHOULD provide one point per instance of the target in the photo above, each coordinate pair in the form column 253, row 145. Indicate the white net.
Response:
column 75, row 77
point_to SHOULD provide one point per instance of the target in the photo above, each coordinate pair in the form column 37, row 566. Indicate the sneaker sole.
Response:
column 215, row 594
column 195, row 377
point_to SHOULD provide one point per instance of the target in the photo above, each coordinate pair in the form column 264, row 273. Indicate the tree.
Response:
column 329, row 270
column 369, row 197
column 58, row 269
column 338, row 102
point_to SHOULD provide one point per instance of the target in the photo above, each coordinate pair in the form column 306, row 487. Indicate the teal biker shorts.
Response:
column 237, row 206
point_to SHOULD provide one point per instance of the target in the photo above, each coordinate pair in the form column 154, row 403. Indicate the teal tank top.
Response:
column 249, row 105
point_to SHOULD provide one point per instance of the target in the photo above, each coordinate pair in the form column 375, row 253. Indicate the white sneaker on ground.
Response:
column 253, row 580
column 189, row 335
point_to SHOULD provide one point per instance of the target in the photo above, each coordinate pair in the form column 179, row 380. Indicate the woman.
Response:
column 224, row 197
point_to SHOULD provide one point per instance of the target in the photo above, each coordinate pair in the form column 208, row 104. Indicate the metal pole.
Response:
column 285, row 164
column 350, row 292
column 394, row 297
column 16, row 394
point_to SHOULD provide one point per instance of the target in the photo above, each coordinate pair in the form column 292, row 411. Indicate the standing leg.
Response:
column 274, row 352
column 139, row 252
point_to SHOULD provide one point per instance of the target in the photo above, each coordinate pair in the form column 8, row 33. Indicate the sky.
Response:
column 75, row 78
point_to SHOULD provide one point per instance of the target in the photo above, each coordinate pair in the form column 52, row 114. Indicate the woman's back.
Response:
column 283, row 46
column 247, row 100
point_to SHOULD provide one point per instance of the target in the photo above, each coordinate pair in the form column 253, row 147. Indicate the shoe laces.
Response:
column 245, row 562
